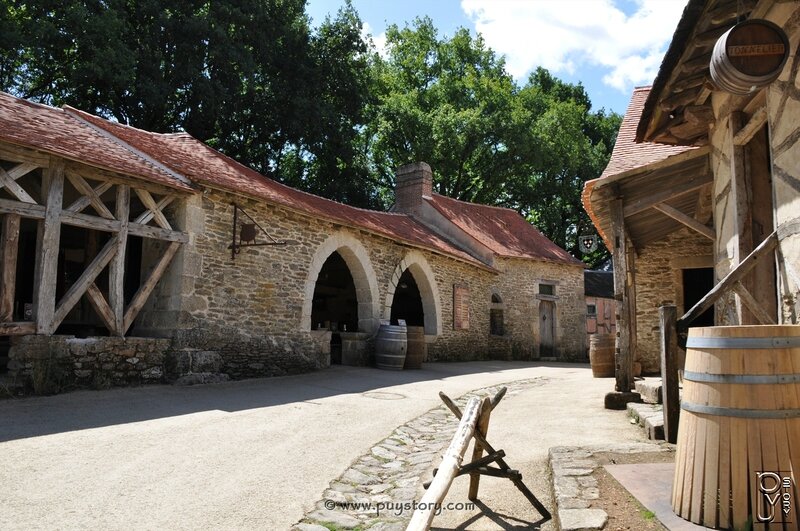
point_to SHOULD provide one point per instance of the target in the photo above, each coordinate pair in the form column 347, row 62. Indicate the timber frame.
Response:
column 56, row 192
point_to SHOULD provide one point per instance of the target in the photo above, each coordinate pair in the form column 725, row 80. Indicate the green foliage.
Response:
column 320, row 109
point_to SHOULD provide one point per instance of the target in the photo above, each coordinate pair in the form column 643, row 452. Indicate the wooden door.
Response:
column 546, row 328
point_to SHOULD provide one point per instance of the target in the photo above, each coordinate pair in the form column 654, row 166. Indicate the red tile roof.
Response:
column 56, row 132
column 502, row 230
column 202, row 164
column 627, row 154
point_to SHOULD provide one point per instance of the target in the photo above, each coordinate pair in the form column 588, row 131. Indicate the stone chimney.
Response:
column 412, row 183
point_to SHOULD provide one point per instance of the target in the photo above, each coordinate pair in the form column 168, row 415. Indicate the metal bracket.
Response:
column 248, row 233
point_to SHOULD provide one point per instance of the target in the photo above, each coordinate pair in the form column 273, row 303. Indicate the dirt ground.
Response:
column 624, row 511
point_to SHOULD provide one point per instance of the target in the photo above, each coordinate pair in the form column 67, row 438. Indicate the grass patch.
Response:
column 647, row 514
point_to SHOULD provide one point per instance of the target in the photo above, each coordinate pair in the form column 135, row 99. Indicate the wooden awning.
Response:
column 658, row 199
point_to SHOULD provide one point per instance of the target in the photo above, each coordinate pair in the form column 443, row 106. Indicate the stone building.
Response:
column 598, row 287
column 133, row 234
column 750, row 130
column 670, row 255
column 719, row 159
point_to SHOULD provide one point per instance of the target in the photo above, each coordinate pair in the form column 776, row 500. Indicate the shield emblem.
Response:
column 588, row 243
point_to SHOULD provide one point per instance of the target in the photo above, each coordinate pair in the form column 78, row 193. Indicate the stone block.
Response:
column 650, row 391
column 616, row 400
column 582, row 519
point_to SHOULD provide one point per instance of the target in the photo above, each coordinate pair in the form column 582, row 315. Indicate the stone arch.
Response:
column 357, row 259
column 423, row 275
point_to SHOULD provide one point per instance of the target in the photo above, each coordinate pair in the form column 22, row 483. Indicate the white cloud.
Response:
column 564, row 35
column 378, row 40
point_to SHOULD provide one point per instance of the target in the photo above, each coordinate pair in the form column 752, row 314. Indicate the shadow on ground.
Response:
column 37, row 416
column 502, row 521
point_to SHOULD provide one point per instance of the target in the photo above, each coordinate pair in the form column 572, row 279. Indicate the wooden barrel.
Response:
column 417, row 349
column 390, row 347
column 748, row 56
column 739, row 432
column 601, row 354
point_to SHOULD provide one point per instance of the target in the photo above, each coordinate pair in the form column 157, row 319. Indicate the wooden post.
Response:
column 743, row 216
column 624, row 357
column 9, row 248
column 477, row 450
column 47, row 249
column 116, row 277
column 669, row 371
column 448, row 469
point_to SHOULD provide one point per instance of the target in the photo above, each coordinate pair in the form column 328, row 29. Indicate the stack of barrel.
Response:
column 399, row 346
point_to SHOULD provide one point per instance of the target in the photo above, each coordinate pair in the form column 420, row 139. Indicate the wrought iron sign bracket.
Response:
column 247, row 233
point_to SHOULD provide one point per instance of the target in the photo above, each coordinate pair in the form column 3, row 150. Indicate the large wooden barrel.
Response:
column 748, row 56
column 601, row 354
column 390, row 347
column 417, row 349
column 739, row 432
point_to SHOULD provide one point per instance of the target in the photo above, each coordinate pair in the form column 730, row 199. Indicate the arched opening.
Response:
column 407, row 303
column 335, row 303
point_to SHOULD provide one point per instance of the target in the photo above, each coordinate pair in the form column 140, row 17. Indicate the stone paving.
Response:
column 575, row 489
column 378, row 491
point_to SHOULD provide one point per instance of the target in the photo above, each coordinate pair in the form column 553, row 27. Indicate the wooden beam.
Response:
column 9, row 248
column 477, row 449
column 23, row 328
column 756, row 122
column 150, row 204
column 752, row 304
column 44, row 284
column 668, row 315
column 689, row 185
column 742, row 196
column 116, row 276
column 20, row 154
column 21, row 170
column 145, row 217
column 422, row 517
column 744, row 267
column 689, row 221
column 76, row 291
column 76, row 219
column 624, row 356
column 84, row 188
column 84, row 201
column 147, row 287
column 7, row 182
column 100, row 306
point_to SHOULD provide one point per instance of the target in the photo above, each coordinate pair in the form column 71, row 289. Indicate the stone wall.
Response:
column 255, row 310
column 50, row 364
column 518, row 287
column 659, row 281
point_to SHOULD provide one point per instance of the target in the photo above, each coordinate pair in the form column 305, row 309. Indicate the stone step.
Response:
column 650, row 390
column 650, row 417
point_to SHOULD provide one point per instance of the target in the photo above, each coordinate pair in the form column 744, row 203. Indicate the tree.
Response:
column 247, row 76
column 451, row 103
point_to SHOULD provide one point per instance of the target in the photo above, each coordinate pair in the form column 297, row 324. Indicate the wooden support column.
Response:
column 624, row 356
column 477, row 450
column 49, row 238
column 116, row 277
column 669, row 371
column 743, row 216
column 9, row 248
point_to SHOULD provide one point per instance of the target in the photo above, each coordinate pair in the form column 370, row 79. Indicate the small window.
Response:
column 547, row 289
column 591, row 309
column 496, row 298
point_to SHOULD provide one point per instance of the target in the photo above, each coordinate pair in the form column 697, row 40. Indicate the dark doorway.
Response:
column 547, row 329
column 407, row 303
column 696, row 284
column 335, row 304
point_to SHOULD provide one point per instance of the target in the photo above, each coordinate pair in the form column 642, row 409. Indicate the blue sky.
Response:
column 608, row 45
